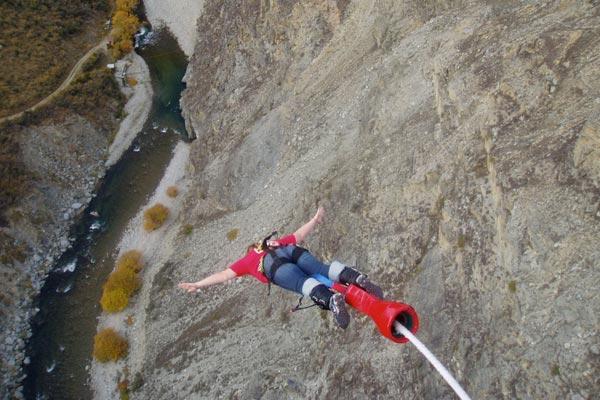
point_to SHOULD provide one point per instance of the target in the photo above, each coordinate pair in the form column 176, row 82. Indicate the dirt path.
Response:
column 74, row 71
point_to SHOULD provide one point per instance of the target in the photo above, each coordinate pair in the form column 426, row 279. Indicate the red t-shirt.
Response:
column 248, row 265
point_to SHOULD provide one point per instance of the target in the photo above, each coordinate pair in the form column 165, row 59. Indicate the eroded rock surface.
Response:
column 454, row 146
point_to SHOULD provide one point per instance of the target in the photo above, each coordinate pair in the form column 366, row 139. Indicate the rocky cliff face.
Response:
column 454, row 146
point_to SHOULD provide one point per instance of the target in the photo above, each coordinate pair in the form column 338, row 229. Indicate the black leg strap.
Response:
column 277, row 262
column 297, row 253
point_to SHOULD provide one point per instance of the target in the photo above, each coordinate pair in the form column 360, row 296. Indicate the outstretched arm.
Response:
column 307, row 228
column 218, row 277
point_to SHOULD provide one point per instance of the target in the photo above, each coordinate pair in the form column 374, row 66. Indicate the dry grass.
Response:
column 41, row 41
column 155, row 217
column 109, row 345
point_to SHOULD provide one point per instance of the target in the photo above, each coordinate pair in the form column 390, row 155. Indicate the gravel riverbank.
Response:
column 151, row 245
column 139, row 102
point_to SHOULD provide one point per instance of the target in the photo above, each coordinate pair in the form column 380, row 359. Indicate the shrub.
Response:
column 187, row 229
column 131, row 81
column 109, row 345
column 172, row 191
column 233, row 234
column 123, row 388
column 155, row 216
column 131, row 260
column 114, row 300
column 125, row 279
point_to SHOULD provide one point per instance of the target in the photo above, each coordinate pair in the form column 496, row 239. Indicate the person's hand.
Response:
column 320, row 215
column 189, row 287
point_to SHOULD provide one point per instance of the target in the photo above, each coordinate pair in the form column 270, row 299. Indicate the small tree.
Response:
column 109, row 345
column 155, row 216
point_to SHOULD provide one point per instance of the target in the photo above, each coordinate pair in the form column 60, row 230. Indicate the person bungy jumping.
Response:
column 290, row 266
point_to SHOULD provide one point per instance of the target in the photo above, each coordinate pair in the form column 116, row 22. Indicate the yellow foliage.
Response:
column 125, row 279
column 126, row 5
column 132, row 260
column 114, row 300
column 109, row 345
column 124, row 25
column 155, row 216
column 172, row 191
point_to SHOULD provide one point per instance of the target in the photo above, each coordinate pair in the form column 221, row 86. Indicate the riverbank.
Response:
column 104, row 377
column 136, row 109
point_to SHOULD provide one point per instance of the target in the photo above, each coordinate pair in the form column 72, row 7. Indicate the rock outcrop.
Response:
column 454, row 146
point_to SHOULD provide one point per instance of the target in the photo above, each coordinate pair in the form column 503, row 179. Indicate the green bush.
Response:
column 187, row 229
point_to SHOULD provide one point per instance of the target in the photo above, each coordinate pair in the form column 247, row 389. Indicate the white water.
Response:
column 433, row 360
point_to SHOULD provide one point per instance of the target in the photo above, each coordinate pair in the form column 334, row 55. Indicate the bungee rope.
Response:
column 433, row 360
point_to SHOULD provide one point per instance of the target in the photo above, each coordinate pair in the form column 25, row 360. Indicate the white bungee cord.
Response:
column 433, row 360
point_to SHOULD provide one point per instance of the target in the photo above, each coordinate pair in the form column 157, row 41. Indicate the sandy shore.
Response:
column 180, row 18
column 137, row 108
column 104, row 377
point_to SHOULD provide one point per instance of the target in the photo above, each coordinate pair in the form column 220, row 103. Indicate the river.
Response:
column 59, row 351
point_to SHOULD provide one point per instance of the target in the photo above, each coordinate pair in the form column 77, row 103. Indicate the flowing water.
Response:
column 59, row 352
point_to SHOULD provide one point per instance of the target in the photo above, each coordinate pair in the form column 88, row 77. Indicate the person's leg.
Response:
column 289, row 276
column 336, row 271
column 350, row 276
column 310, row 264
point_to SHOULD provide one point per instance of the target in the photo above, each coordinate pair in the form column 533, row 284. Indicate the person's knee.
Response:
column 335, row 269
